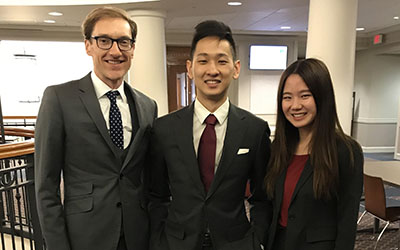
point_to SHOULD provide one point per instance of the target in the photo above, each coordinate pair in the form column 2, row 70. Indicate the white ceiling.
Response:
column 253, row 17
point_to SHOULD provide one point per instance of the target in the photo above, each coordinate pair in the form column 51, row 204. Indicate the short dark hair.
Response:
column 213, row 28
column 106, row 12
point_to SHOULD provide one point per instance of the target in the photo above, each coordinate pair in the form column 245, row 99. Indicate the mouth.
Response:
column 299, row 115
column 212, row 81
column 114, row 62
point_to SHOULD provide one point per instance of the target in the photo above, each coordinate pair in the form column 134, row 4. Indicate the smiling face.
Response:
column 110, row 65
column 212, row 69
column 298, row 103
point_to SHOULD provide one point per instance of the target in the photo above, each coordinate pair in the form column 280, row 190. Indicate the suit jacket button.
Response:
column 121, row 176
column 292, row 217
column 119, row 204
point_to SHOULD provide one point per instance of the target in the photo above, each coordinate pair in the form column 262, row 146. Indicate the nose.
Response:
column 296, row 104
column 114, row 50
column 212, row 69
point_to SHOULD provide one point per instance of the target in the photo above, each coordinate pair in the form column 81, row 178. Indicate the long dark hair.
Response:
column 326, row 130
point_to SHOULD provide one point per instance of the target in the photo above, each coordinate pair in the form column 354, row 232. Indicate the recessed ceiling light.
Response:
column 49, row 21
column 396, row 18
column 55, row 13
column 360, row 29
column 234, row 3
column 286, row 28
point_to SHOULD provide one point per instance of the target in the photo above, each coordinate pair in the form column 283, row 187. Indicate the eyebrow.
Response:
column 301, row 92
column 107, row 36
column 218, row 55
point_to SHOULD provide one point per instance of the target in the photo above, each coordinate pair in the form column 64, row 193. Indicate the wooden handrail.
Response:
column 19, row 117
column 23, row 132
column 14, row 146
column 12, row 133
column 17, row 148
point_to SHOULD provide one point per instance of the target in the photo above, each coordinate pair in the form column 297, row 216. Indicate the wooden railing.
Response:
column 16, row 149
column 18, row 120
column 19, row 223
column 21, row 132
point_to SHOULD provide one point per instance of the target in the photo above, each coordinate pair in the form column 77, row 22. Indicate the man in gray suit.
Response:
column 95, row 131
column 203, row 155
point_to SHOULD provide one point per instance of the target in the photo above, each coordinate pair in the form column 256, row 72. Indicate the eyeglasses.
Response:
column 124, row 44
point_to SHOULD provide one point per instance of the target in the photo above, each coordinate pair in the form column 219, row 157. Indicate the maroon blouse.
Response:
column 293, row 173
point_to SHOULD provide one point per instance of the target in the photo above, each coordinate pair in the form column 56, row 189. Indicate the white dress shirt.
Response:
column 122, row 102
column 199, row 117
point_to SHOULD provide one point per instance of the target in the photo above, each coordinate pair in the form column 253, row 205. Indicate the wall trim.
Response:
column 378, row 149
column 375, row 120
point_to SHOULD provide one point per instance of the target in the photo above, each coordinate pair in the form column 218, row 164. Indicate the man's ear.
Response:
column 88, row 47
column 133, row 50
column 237, row 69
column 189, row 65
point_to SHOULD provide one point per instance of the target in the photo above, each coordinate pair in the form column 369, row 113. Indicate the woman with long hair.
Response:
column 315, row 173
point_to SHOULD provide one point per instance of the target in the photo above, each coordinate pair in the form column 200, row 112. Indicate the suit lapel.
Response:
column 90, row 101
column 143, row 116
column 277, row 203
column 305, row 175
column 279, row 188
column 235, row 130
column 184, row 134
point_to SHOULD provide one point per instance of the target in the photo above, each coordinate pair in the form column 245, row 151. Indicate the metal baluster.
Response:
column 2, row 222
column 28, row 217
column 30, row 188
column 18, row 204
column 18, row 198
column 11, row 216
column 2, row 134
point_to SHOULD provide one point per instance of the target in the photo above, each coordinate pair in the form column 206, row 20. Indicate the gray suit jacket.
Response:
column 179, row 207
column 101, row 190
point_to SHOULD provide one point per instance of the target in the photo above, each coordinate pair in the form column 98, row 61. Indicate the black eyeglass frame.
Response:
column 132, row 41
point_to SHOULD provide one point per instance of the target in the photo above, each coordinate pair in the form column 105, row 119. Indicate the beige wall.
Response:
column 377, row 80
column 377, row 87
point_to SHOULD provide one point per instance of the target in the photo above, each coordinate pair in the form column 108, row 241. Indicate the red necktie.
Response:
column 206, row 152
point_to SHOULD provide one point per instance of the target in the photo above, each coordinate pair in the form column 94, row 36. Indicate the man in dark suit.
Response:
column 203, row 155
column 95, row 132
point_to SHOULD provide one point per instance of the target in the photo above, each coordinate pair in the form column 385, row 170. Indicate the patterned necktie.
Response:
column 115, row 120
column 206, row 152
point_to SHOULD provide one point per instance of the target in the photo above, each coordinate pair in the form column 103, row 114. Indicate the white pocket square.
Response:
column 242, row 151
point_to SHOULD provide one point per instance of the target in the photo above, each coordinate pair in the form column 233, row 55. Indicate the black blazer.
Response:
column 316, row 224
column 179, row 207
column 101, row 192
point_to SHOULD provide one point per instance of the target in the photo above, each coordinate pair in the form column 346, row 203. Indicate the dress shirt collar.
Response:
column 101, row 88
column 202, row 112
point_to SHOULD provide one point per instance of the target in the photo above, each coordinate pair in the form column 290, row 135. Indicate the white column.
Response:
column 332, row 39
column 397, row 142
column 148, row 73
